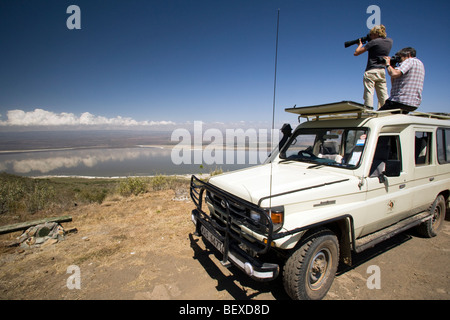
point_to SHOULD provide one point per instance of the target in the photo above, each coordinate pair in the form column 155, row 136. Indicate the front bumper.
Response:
column 232, row 253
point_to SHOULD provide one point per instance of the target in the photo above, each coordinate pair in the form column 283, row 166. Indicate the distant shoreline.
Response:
column 184, row 176
column 165, row 146
column 83, row 148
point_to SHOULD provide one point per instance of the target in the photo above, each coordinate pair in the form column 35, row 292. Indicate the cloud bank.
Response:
column 40, row 117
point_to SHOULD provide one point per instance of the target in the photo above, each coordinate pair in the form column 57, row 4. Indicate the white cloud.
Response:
column 40, row 117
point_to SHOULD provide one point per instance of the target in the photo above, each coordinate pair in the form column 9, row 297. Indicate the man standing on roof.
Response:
column 407, row 81
column 374, row 76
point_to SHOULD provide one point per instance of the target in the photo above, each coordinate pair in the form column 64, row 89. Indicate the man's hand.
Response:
column 394, row 73
column 360, row 49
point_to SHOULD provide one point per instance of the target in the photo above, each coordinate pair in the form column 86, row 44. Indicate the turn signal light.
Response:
column 277, row 217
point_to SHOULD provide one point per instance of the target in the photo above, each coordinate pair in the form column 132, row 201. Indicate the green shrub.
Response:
column 11, row 194
column 40, row 196
column 133, row 186
column 161, row 182
column 20, row 193
column 90, row 196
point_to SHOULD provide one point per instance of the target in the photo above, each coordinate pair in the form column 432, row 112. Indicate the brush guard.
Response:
column 231, row 229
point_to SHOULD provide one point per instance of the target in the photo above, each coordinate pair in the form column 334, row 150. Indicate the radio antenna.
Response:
column 273, row 107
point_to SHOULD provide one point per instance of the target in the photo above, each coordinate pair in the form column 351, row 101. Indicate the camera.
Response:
column 352, row 42
column 394, row 60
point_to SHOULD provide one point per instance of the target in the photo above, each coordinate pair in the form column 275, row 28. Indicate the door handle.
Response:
column 402, row 186
column 431, row 179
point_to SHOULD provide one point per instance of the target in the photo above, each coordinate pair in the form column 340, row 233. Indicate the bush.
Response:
column 39, row 197
column 92, row 195
column 19, row 193
column 11, row 194
column 133, row 186
column 161, row 182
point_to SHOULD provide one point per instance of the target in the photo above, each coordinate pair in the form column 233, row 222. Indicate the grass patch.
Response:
column 21, row 196
column 24, row 194
column 133, row 186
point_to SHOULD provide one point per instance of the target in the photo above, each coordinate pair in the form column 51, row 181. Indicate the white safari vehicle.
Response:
column 343, row 181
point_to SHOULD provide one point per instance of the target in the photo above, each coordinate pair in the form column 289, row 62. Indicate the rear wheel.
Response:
column 431, row 227
column 310, row 270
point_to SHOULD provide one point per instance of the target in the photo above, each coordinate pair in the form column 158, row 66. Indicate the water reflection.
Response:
column 102, row 162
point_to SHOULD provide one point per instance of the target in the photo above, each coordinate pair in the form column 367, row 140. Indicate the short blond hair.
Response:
column 379, row 31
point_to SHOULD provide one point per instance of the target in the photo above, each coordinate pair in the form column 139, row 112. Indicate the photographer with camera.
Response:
column 378, row 45
column 407, row 81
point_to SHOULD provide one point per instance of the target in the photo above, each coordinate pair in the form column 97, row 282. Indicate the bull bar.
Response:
column 231, row 229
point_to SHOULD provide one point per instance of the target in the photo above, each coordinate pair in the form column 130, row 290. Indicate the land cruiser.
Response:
column 346, row 179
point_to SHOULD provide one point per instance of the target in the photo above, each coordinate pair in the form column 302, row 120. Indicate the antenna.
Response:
column 273, row 108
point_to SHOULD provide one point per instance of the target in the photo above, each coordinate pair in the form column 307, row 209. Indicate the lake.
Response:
column 116, row 162
column 116, row 154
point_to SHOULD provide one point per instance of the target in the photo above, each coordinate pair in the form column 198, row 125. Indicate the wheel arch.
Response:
column 446, row 195
column 342, row 227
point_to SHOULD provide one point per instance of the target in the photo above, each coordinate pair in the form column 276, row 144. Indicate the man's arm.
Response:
column 394, row 73
column 360, row 49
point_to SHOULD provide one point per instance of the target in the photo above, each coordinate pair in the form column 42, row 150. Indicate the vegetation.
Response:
column 22, row 195
column 133, row 186
column 18, row 193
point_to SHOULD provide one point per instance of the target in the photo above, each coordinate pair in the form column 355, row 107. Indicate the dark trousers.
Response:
column 390, row 105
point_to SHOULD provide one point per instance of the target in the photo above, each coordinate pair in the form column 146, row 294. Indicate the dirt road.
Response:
column 143, row 248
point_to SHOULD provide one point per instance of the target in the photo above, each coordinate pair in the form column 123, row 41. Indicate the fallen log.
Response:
column 26, row 225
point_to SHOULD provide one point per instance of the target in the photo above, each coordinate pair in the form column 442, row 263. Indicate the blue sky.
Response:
column 173, row 61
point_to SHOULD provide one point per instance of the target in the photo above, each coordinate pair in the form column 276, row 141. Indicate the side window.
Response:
column 387, row 157
column 422, row 154
column 354, row 145
column 443, row 145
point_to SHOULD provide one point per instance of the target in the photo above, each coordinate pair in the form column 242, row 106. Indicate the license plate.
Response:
column 212, row 239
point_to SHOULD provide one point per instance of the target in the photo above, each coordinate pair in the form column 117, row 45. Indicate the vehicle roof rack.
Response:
column 435, row 115
column 350, row 109
column 342, row 109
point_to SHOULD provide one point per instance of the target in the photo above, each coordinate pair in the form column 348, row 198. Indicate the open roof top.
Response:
column 345, row 109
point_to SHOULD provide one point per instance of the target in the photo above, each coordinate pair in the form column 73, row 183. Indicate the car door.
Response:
column 388, row 196
column 424, row 169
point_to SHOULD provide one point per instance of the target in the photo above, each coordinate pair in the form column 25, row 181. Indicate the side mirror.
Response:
column 393, row 168
column 287, row 132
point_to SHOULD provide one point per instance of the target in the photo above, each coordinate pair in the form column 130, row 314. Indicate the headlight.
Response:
column 276, row 214
column 255, row 216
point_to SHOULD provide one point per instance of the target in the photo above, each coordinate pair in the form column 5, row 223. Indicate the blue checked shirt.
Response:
column 407, row 89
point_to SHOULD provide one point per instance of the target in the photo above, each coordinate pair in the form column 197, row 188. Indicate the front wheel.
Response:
column 310, row 270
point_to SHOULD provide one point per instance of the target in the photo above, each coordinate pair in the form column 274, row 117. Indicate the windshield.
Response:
column 335, row 147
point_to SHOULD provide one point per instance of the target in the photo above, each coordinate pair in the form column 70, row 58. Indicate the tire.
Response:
column 431, row 227
column 310, row 270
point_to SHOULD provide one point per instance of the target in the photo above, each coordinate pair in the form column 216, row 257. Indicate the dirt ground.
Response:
column 143, row 248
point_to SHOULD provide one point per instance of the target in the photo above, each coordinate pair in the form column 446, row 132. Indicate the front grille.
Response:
column 231, row 216
column 240, row 215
